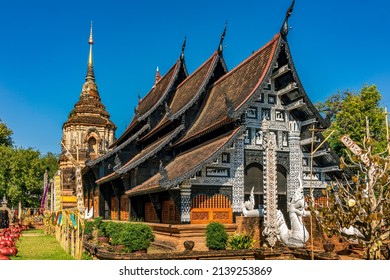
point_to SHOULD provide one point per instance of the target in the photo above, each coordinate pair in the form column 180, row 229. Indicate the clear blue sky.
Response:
column 336, row 45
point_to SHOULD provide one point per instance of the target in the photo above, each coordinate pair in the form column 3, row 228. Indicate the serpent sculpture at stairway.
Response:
column 298, row 235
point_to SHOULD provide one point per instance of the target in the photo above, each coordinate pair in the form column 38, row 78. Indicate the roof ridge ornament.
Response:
column 220, row 46
column 158, row 76
column 183, row 47
column 284, row 29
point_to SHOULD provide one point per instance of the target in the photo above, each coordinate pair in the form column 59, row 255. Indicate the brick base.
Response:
column 173, row 236
column 250, row 225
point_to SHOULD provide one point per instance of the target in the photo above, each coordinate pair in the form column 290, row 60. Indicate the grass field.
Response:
column 34, row 244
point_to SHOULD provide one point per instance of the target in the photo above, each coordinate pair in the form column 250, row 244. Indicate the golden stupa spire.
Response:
column 90, row 72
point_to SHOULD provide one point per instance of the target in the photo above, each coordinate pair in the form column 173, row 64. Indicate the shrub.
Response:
column 100, row 226
column 88, row 228
column 216, row 236
column 136, row 237
column 114, row 231
column 112, row 228
column 239, row 241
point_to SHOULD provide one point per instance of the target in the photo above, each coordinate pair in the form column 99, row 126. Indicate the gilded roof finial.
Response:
column 183, row 47
column 220, row 46
column 90, row 72
column 284, row 29
column 158, row 76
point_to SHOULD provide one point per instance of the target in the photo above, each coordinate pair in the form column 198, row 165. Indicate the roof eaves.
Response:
column 120, row 147
column 131, row 165
column 179, row 63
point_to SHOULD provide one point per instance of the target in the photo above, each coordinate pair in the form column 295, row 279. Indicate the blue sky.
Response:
column 336, row 45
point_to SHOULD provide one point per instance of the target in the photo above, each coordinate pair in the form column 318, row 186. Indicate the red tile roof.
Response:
column 185, row 165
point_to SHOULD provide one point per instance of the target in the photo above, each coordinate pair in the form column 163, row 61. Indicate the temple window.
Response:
column 265, row 114
column 251, row 113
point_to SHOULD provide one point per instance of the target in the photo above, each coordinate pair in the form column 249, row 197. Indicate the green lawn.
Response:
column 36, row 245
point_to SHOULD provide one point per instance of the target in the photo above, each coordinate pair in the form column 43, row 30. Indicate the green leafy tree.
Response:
column 26, row 178
column 22, row 170
column 347, row 112
column 5, row 135
column 50, row 162
column 6, row 154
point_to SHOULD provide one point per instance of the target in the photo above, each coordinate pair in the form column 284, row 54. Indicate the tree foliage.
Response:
column 347, row 112
column 22, row 171
column 5, row 135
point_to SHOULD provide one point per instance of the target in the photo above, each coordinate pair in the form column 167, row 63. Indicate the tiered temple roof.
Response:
column 220, row 99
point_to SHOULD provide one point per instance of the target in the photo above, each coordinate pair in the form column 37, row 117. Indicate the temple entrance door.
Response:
column 114, row 208
column 282, row 191
column 124, row 208
column 253, row 177
column 205, row 209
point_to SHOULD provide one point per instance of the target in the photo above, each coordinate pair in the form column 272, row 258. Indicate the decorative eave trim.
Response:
column 256, row 92
column 205, row 131
column 294, row 72
column 107, row 178
column 169, row 184
column 154, row 189
column 179, row 64
column 118, row 148
column 169, row 117
column 128, row 167
column 133, row 123
column 201, row 88
column 172, row 182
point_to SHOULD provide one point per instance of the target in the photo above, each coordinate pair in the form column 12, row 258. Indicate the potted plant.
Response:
column 216, row 236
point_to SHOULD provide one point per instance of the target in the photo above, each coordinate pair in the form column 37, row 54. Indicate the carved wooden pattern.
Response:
column 200, row 216
column 271, row 229
column 238, row 175
column 207, row 209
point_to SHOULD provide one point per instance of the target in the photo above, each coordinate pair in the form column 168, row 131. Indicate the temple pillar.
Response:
column 293, row 185
column 238, row 177
column 185, row 206
column 271, row 227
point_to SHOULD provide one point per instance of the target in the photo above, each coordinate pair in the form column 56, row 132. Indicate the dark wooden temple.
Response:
column 196, row 145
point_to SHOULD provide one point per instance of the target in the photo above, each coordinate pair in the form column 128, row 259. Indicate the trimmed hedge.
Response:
column 134, row 236
column 216, row 236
